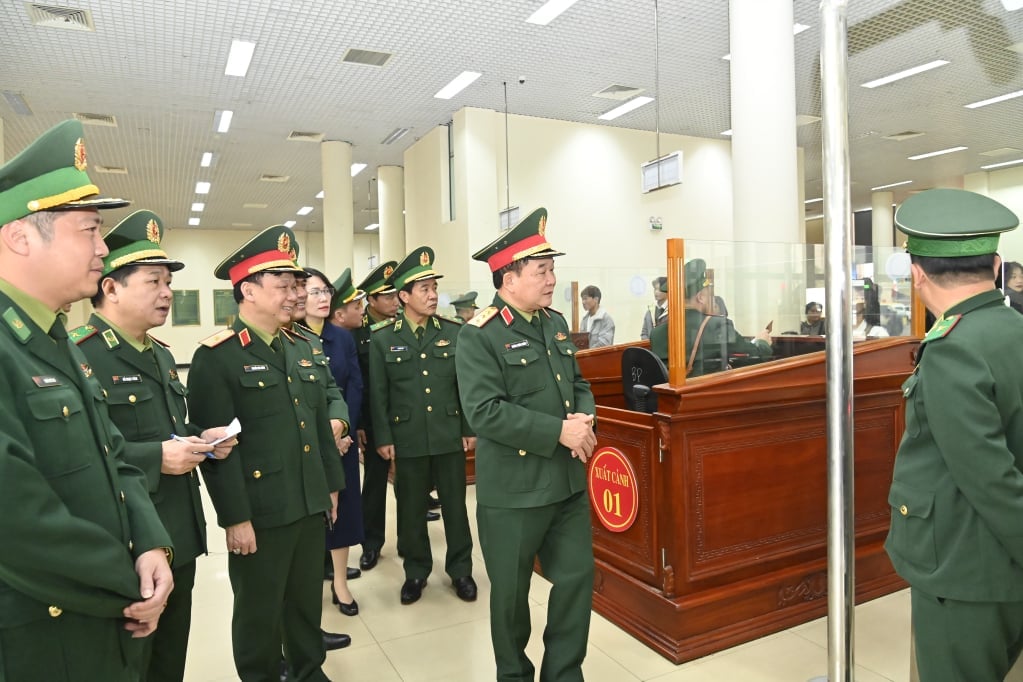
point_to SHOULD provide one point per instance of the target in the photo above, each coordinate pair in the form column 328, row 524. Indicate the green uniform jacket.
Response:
column 286, row 462
column 517, row 386
column 957, row 489
column 719, row 345
column 413, row 389
column 74, row 515
column 147, row 403
column 337, row 408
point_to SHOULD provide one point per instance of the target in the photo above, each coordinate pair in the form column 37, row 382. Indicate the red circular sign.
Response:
column 613, row 489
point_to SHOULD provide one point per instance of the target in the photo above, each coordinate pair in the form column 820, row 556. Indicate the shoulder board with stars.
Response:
column 381, row 325
column 291, row 334
column 79, row 334
column 483, row 316
column 218, row 338
column 942, row 326
column 451, row 320
column 158, row 341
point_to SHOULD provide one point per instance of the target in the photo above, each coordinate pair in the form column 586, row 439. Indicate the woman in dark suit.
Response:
column 326, row 305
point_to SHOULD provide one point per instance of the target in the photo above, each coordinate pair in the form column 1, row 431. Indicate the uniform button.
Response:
column 903, row 510
column 131, row 545
column 104, row 393
column 445, row 355
column 122, row 497
column 427, row 390
column 422, row 355
column 398, row 360
column 301, row 424
column 396, row 420
column 312, row 377
column 174, row 419
column 261, row 384
column 132, row 399
column 548, row 352
column 65, row 411
column 289, row 380
column 429, row 408
column 296, row 401
column 570, row 352
column 106, row 449
column 566, row 403
column 306, row 449
column 257, row 474
column 426, row 373
column 55, row 611
column 522, row 453
column 558, row 377
column 522, row 360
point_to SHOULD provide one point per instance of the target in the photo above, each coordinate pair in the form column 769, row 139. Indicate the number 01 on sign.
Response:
column 613, row 489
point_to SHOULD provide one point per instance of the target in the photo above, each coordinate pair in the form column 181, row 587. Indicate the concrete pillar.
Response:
column 338, row 222
column 881, row 220
column 976, row 182
column 391, row 200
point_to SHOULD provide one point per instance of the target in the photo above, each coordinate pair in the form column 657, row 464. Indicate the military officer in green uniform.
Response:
column 147, row 403
column 272, row 493
column 418, row 421
column 84, row 571
column 957, row 488
column 716, row 342
column 381, row 305
column 532, row 411
column 465, row 306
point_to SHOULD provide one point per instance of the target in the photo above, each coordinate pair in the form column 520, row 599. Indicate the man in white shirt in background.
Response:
column 596, row 322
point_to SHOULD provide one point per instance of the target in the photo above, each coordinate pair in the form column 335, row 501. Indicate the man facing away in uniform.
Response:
column 84, row 570
column 465, row 306
column 283, row 477
column 532, row 411
column 957, row 488
column 418, row 421
column 147, row 403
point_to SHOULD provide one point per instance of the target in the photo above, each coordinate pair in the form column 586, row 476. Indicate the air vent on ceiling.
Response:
column 266, row 177
column 96, row 120
column 60, row 17
column 298, row 136
column 254, row 205
column 113, row 170
column 1003, row 151
column 904, row 135
column 619, row 92
column 367, row 57
column 17, row 103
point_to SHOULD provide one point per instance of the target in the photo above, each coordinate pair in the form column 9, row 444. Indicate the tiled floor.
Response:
column 441, row 639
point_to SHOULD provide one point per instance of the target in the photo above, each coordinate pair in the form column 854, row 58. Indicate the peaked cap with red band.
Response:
column 272, row 250
column 525, row 240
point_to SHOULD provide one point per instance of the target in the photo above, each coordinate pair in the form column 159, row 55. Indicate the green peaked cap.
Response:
column 466, row 300
column 376, row 281
column 344, row 291
column 696, row 277
column 136, row 239
column 952, row 223
column 49, row 174
column 272, row 250
column 417, row 265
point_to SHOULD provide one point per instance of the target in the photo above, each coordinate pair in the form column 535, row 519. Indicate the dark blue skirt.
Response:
column 348, row 529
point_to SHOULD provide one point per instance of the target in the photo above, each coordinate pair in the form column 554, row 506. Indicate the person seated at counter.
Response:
column 712, row 343
column 866, row 324
column 814, row 325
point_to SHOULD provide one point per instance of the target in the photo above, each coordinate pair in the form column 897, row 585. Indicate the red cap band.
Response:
column 508, row 253
column 267, row 259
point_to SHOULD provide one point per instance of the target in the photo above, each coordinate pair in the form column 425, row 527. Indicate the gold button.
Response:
column 422, row 355
column 289, row 380
column 104, row 393
column 174, row 419
column 122, row 497
column 426, row 373
column 398, row 360
column 522, row 360
column 396, row 420
column 548, row 352
column 131, row 545
column 903, row 510
column 65, row 411
column 569, row 352
column 106, row 449
column 429, row 408
column 132, row 399
column 558, row 377
column 427, row 390
column 312, row 377
column 445, row 355
column 296, row 401
column 55, row 611
column 257, row 474
column 566, row 403
column 306, row 449
column 522, row 453
column 301, row 424
column 261, row 384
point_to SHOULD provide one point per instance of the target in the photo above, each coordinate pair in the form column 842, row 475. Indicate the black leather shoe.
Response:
column 412, row 590
column 350, row 609
column 432, row 516
column 465, row 588
column 353, row 573
column 369, row 559
column 335, row 640
column 432, row 502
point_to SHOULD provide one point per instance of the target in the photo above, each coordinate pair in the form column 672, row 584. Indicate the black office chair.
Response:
column 641, row 369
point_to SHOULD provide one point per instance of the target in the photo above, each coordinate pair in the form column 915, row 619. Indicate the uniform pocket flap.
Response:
column 521, row 357
column 258, row 380
column 909, row 501
column 54, row 403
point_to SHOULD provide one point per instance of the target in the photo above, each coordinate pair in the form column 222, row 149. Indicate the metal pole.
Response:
column 838, row 247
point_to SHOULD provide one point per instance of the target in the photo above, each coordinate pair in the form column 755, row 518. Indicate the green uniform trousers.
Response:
column 374, row 496
column 277, row 599
column 165, row 649
column 414, row 479
column 560, row 535
column 965, row 641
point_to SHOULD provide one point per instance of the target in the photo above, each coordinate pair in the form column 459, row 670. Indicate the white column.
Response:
column 765, row 203
column 391, row 200
column 977, row 182
column 881, row 216
column 338, row 222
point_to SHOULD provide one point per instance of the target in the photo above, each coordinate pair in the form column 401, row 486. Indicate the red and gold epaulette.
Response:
column 79, row 334
column 158, row 341
column 483, row 316
column 291, row 334
column 218, row 338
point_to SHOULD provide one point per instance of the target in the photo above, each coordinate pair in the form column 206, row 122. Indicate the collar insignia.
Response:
column 560, row 336
column 507, row 316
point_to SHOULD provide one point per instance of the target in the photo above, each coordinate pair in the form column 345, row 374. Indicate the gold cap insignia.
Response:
column 80, row 160
column 424, row 258
column 388, row 271
column 293, row 254
column 284, row 243
column 153, row 232
column 543, row 225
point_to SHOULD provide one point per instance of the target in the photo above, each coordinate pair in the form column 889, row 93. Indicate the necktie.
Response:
column 419, row 334
column 275, row 345
column 535, row 323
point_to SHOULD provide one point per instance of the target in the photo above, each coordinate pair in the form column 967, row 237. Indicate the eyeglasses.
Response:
column 326, row 293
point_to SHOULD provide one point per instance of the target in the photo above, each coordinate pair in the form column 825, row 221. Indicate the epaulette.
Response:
column 453, row 320
column 158, row 341
column 483, row 316
column 291, row 334
column 381, row 325
column 79, row 334
column 548, row 312
column 300, row 326
column 218, row 338
column 942, row 326
column 19, row 328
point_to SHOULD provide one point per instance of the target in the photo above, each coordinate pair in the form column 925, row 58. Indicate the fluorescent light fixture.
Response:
column 813, row 201
column 198, row 207
column 202, row 188
column 1012, row 5
column 305, row 210
column 17, row 103
column 461, row 82
column 319, row 195
column 549, row 11
column 222, row 120
column 905, row 74
column 634, row 103
column 727, row 133
column 239, row 57
column 290, row 223
column 1003, row 163
column 372, row 226
column 357, row 168
column 193, row 221
column 994, row 100
column 395, row 135
column 893, row 184
column 937, row 153
column 206, row 160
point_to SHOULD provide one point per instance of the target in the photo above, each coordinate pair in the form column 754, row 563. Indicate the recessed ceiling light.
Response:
column 549, row 11
column 319, row 195
column 634, row 103
column 305, row 210
column 372, row 226
column 460, row 82
column 290, row 223
column 893, row 184
column 937, row 153
column 239, row 57
column 395, row 135
column 994, row 100
column 193, row 221
column 206, row 160
column 1003, row 163
column 222, row 120
column 905, row 73
column 198, row 207
column 202, row 188
column 357, row 168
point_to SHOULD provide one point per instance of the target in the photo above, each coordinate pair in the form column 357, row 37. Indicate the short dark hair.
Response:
column 814, row 306
column 255, row 278
column 947, row 271
column 120, row 275
column 659, row 283
column 590, row 292
column 1012, row 267
column 515, row 266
